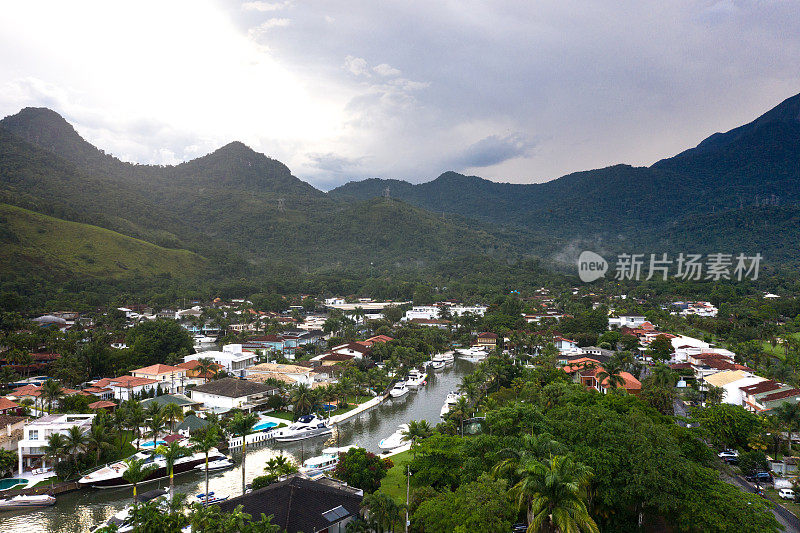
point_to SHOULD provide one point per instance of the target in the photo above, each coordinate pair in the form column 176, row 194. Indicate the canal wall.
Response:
column 54, row 489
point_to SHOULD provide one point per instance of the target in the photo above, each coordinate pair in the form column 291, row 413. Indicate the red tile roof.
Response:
column 129, row 382
column 102, row 404
column 158, row 369
column 780, row 395
column 5, row 403
column 758, row 388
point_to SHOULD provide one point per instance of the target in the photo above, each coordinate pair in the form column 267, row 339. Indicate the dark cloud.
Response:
column 493, row 150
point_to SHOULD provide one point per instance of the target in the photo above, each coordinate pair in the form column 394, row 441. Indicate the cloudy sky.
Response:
column 521, row 91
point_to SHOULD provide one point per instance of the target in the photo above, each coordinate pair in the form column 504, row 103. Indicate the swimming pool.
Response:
column 11, row 482
column 149, row 444
column 261, row 426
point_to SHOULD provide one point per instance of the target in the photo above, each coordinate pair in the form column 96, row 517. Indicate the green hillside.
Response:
column 34, row 243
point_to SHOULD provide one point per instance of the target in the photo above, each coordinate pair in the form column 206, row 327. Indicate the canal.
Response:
column 81, row 510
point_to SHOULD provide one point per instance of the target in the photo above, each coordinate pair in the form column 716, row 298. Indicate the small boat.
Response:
column 449, row 401
column 395, row 440
column 306, row 427
column 27, row 502
column 447, row 358
column 436, row 365
column 219, row 464
column 415, row 379
column 399, row 390
column 323, row 463
column 212, row 498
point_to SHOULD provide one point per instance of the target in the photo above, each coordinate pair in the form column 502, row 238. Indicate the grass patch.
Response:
column 350, row 406
column 778, row 350
column 285, row 415
column 394, row 484
column 45, row 482
column 791, row 506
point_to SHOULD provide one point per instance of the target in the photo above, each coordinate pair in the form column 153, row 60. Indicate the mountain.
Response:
column 754, row 165
column 32, row 244
column 231, row 202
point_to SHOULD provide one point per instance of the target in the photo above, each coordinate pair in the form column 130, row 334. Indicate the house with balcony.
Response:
column 233, row 358
column 30, row 449
column 768, row 395
column 171, row 379
column 222, row 395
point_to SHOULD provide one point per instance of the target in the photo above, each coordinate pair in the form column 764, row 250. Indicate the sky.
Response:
column 513, row 91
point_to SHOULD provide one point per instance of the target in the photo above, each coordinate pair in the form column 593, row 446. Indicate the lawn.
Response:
column 777, row 351
column 394, row 484
column 351, row 405
column 285, row 415
column 48, row 481
column 791, row 506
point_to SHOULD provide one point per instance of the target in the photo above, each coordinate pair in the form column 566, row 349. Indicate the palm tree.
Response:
column 714, row 395
column 532, row 447
column 789, row 415
column 98, row 439
column 204, row 440
column 552, row 493
column 172, row 412
column 54, row 449
column 205, row 366
column 278, row 467
column 51, row 391
column 610, row 377
column 242, row 425
column 416, row 431
column 172, row 453
column 75, row 442
column 664, row 376
column 302, row 398
column 136, row 473
column 460, row 411
column 384, row 512
column 155, row 421
column 136, row 418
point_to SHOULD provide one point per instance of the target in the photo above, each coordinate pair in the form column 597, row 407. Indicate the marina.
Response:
column 366, row 426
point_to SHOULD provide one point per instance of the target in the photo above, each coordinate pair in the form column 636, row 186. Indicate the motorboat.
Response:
column 395, row 440
column 122, row 519
column 447, row 358
column 399, row 390
column 110, row 475
column 323, row 463
column 212, row 498
column 306, row 427
column 201, row 339
column 474, row 354
column 436, row 364
column 415, row 379
column 27, row 502
column 451, row 399
column 219, row 464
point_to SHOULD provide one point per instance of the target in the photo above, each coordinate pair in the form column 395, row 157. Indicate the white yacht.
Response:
column 27, row 502
column 415, row 379
column 323, row 463
column 399, row 390
column 306, row 427
column 395, row 440
column 447, row 358
column 473, row 354
column 435, row 364
column 219, row 464
column 449, row 401
column 110, row 476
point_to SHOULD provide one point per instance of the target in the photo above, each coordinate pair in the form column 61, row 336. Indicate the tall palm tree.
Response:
column 51, row 391
column 155, row 421
column 789, row 415
column 459, row 412
column 75, row 442
column 206, row 366
column 242, row 425
column 663, row 376
column 98, row 439
column 136, row 473
column 172, row 453
column 384, row 512
column 204, row 440
column 552, row 493
column 172, row 412
column 136, row 418
column 416, row 431
column 302, row 398
column 532, row 447
column 610, row 377
column 54, row 449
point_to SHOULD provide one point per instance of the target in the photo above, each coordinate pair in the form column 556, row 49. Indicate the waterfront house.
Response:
column 232, row 358
column 171, row 379
column 30, row 449
column 222, row 395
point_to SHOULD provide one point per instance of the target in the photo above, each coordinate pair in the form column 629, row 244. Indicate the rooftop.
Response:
column 232, row 388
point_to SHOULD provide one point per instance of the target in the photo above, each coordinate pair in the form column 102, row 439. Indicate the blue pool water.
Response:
column 149, row 444
column 7, row 483
column 264, row 425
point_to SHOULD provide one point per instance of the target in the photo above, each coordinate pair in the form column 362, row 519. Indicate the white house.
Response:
column 231, row 358
column 171, row 379
column 566, row 346
column 30, row 449
column 630, row 321
column 222, row 395
column 123, row 388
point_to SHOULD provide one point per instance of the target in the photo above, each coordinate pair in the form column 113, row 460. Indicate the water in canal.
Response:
column 82, row 510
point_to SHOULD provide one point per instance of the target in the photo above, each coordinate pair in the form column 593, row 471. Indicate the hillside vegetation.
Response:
column 34, row 243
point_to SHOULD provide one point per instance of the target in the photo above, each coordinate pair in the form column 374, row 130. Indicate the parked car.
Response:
column 519, row 528
column 760, row 477
column 786, row 494
column 728, row 454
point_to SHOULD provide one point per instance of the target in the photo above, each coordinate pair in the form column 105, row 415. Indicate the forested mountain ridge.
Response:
column 754, row 165
column 231, row 203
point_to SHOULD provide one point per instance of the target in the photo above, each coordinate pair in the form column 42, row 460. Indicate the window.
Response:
column 33, row 434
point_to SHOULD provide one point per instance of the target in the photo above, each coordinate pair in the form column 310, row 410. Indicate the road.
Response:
column 789, row 521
